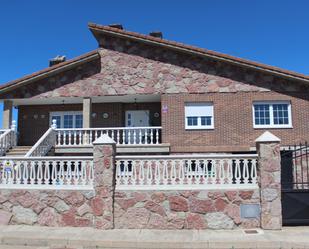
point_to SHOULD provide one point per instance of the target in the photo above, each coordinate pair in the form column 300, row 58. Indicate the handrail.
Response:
column 40, row 143
column 7, row 140
column 191, row 156
column 108, row 128
column 48, row 158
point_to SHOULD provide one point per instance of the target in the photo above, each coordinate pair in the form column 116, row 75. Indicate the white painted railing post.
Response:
column 13, row 126
column 54, row 124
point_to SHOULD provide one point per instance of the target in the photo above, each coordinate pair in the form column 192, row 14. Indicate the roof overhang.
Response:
column 49, row 71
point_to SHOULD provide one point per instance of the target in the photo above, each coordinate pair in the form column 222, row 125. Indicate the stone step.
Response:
column 22, row 247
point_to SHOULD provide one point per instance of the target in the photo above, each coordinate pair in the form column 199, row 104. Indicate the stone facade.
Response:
column 106, row 207
column 48, row 207
column 183, row 209
column 128, row 67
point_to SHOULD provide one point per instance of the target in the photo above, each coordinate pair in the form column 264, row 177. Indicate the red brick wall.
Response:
column 233, row 122
column 31, row 128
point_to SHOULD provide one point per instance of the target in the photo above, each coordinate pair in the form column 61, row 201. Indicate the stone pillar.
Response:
column 269, row 159
column 7, row 114
column 87, row 112
column 104, row 151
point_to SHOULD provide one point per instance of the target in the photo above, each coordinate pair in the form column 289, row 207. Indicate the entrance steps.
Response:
column 18, row 151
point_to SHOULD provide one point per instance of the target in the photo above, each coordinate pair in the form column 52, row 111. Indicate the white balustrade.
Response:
column 186, row 172
column 8, row 139
column 121, row 135
column 46, row 173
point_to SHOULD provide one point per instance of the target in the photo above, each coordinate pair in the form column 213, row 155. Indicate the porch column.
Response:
column 87, row 112
column 269, row 159
column 7, row 114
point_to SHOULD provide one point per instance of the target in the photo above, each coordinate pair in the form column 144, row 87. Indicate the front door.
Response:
column 135, row 118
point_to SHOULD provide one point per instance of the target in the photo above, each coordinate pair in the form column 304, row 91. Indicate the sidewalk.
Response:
column 78, row 238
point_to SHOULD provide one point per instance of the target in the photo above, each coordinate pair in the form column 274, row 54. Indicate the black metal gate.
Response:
column 295, row 185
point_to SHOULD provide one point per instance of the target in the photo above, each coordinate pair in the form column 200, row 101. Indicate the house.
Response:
column 148, row 133
column 198, row 100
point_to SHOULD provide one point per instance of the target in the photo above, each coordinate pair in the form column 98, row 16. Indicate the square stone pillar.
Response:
column 269, row 161
column 7, row 114
column 87, row 109
column 104, row 151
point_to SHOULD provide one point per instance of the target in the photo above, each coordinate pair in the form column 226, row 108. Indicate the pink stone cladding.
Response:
column 127, row 67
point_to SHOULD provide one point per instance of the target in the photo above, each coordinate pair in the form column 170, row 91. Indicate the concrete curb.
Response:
column 89, row 238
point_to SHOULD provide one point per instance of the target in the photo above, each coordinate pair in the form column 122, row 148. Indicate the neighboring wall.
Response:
column 233, row 121
column 33, row 121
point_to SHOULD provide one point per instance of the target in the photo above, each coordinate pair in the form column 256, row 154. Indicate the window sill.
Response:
column 199, row 128
column 273, row 127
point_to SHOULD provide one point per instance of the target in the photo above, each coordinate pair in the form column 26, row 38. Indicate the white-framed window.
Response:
column 272, row 114
column 199, row 115
column 69, row 119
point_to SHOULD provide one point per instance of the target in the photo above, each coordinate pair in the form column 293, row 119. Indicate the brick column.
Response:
column 269, row 159
column 7, row 114
column 104, row 150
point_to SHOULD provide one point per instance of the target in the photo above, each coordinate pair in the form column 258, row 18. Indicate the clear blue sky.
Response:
column 274, row 32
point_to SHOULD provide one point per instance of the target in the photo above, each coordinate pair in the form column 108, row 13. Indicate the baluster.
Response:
column 253, row 172
column 173, row 175
column 157, row 136
column 126, row 172
column 134, row 136
column 91, row 173
column 83, row 173
column 124, row 132
column 74, row 138
column 140, row 137
column 80, row 140
column 118, row 136
column 69, row 173
column 96, row 134
column 129, row 136
column 230, row 171
column 245, row 173
column 118, row 173
column 134, row 173
column 149, row 173
column 142, row 172
column 237, row 171
column 39, row 175
column 32, row 172
column 90, row 137
column 165, row 175
column 157, row 176
column 54, row 173
column 151, row 136
column 25, row 174
column 112, row 134
column 61, row 173
column 76, row 171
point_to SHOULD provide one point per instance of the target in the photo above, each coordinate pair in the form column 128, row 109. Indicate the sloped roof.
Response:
column 112, row 31
column 48, row 71
column 97, row 29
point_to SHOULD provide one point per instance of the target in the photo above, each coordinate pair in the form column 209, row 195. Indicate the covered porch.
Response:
column 133, row 121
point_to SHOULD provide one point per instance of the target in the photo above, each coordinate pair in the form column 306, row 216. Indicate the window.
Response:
column 273, row 114
column 199, row 116
column 67, row 119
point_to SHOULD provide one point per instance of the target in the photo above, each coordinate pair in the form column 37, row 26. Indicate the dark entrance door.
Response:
column 295, row 185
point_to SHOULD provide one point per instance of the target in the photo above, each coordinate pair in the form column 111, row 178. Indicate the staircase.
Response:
column 18, row 151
